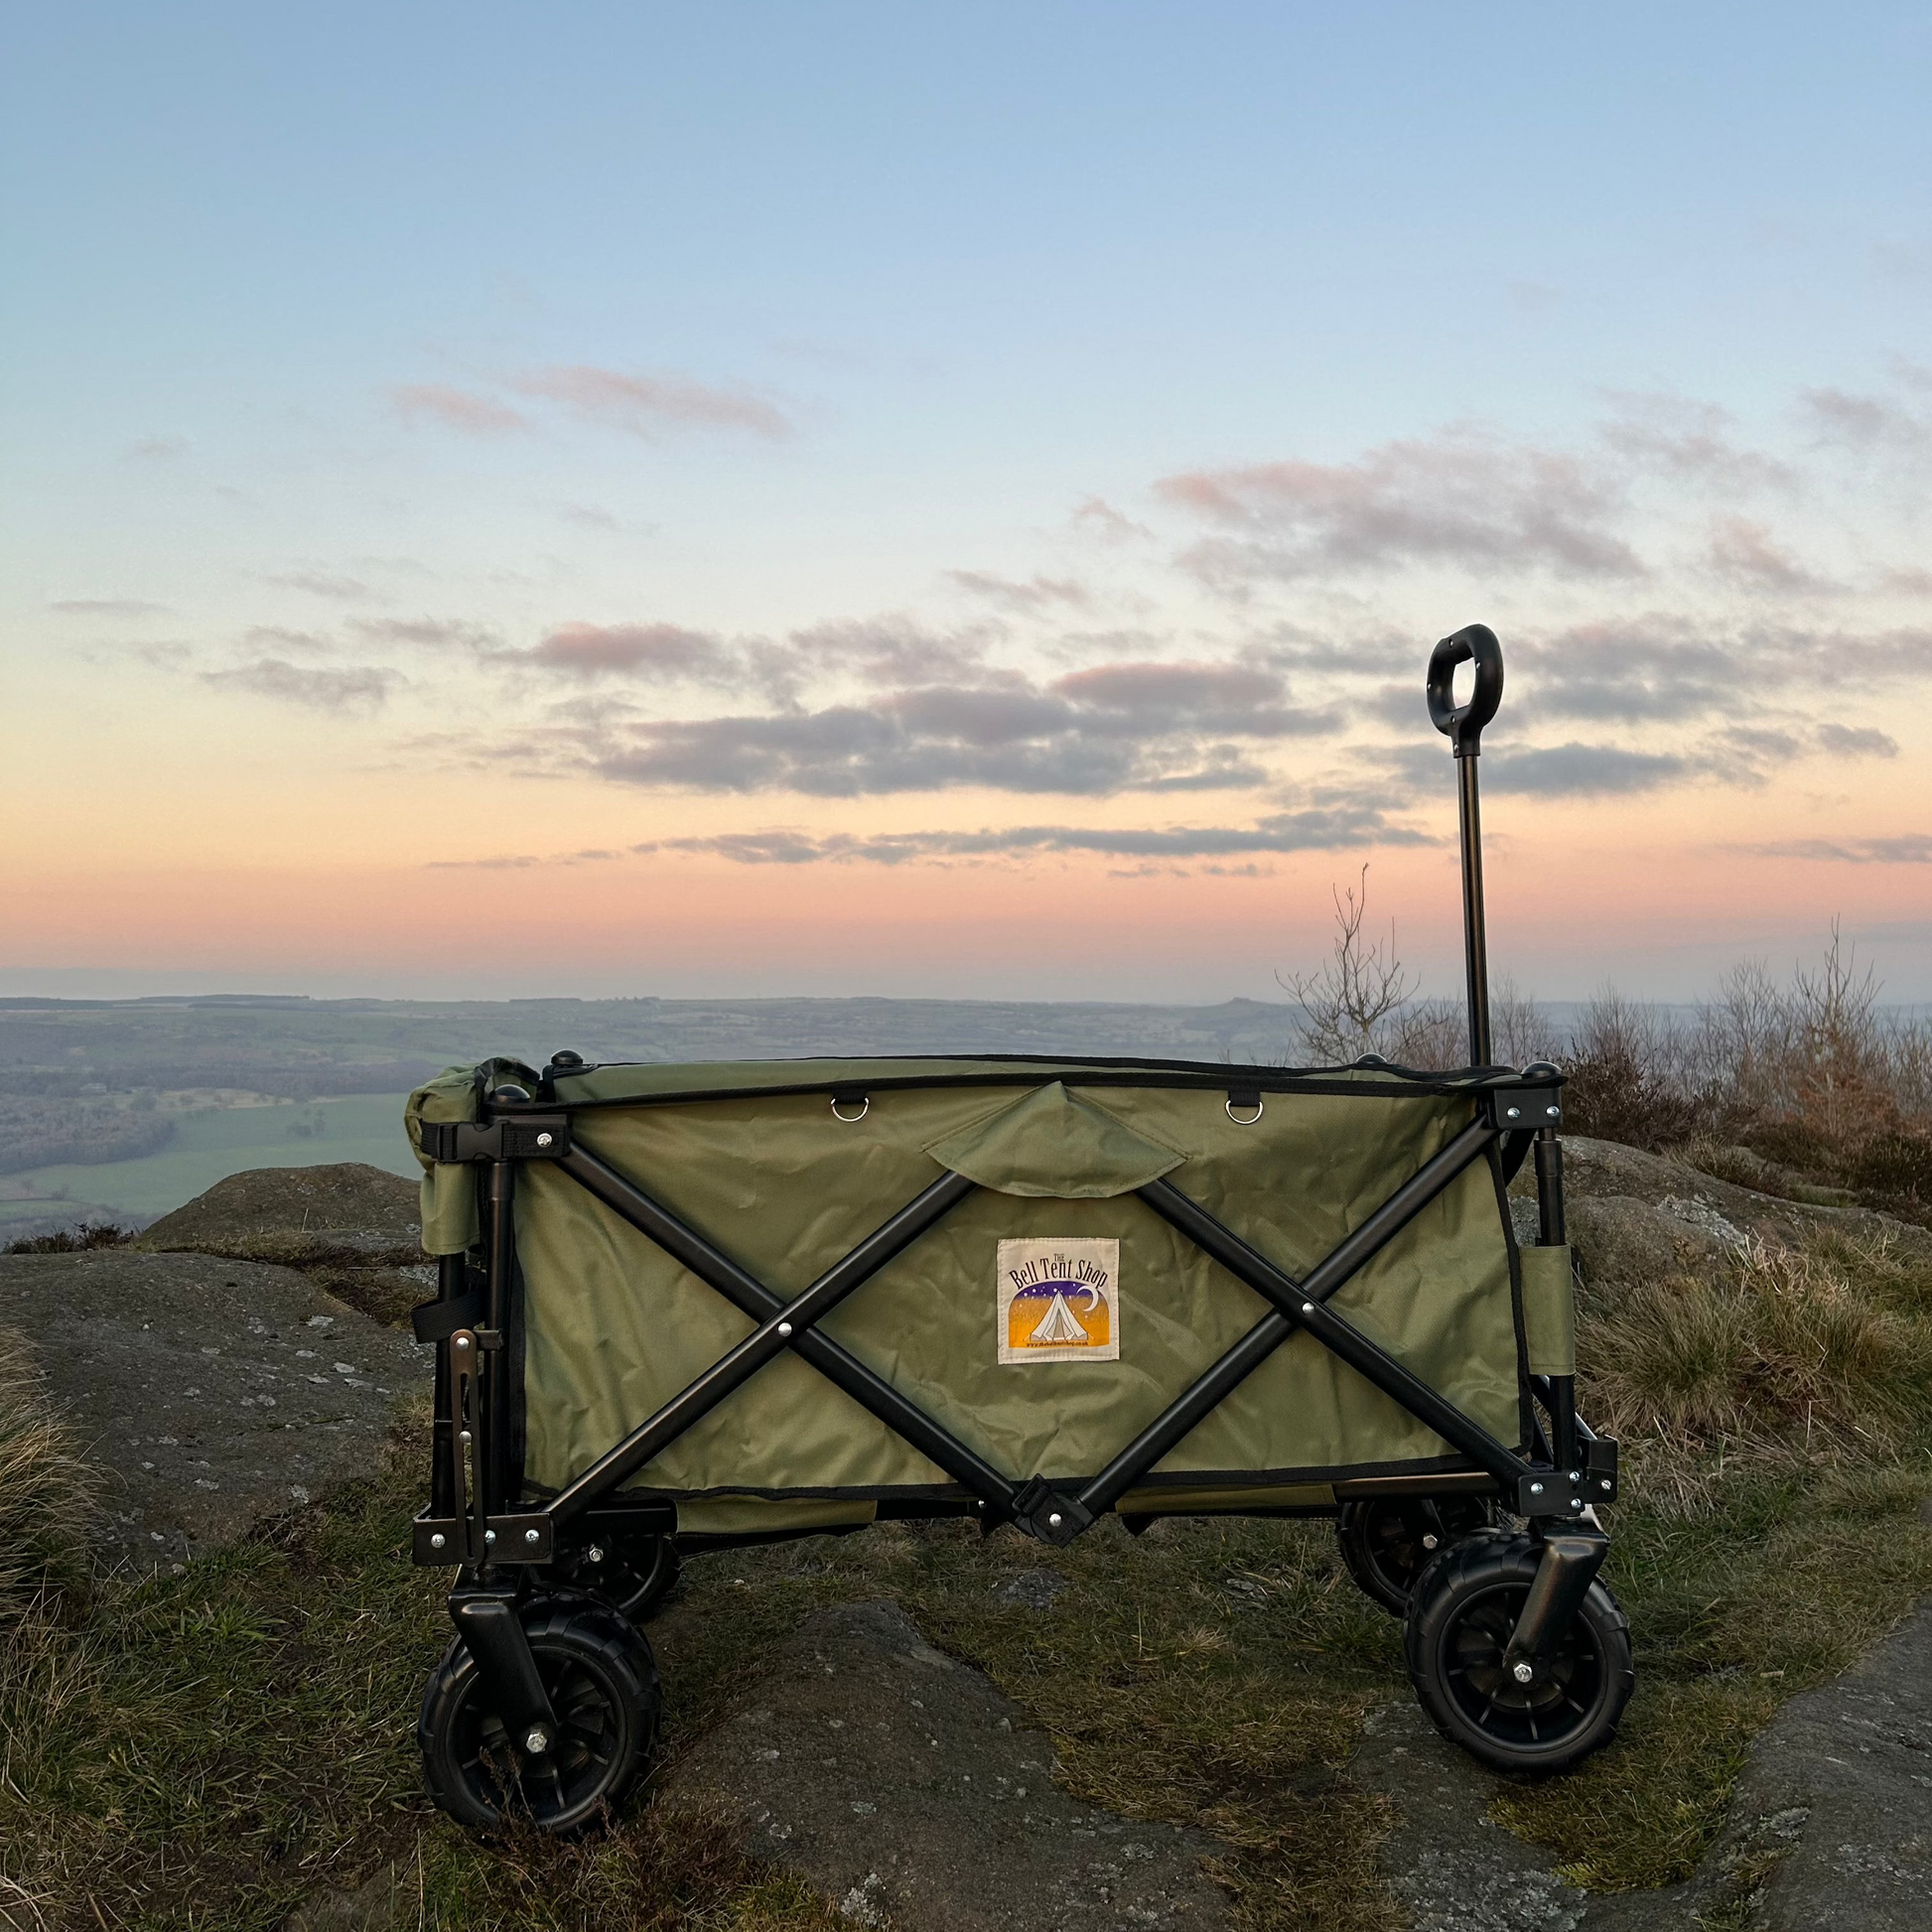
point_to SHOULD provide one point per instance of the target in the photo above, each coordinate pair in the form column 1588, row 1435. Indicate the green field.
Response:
column 209, row 1145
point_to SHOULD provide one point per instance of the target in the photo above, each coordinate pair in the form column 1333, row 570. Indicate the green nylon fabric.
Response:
column 1549, row 1310
column 613, row 1328
column 449, row 1193
column 1051, row 1144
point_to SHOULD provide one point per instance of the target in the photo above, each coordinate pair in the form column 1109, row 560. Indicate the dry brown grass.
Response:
column 47, row 1499
column 1780, row 1355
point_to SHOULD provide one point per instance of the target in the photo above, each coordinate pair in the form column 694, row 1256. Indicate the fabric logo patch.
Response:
column 1060, row 1301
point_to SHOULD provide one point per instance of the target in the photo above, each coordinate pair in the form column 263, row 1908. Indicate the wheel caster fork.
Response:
column 488, row 1623
column 1565, row 1572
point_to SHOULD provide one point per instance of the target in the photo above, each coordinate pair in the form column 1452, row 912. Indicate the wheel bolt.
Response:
column 538, row 1740
column 1522, row 1672
column 595, row 1554
column 1429, row 1542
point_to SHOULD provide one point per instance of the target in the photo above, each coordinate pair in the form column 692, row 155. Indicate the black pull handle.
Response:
column 1462, row 724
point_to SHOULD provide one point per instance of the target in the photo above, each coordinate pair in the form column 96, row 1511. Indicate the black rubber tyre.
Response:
column 602, row 1684
column 1464, row 1607
column 1388, row 1543
column 633, row 1573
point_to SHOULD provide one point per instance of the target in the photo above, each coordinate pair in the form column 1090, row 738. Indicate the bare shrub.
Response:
column 1357, row 999
column 1817, row 1077
column 1807, row 1088
column 1628, row 1076
column 1365, row 1001
column 71, row 1241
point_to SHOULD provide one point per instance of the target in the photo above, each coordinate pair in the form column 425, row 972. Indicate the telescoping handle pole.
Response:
column 1463, row 726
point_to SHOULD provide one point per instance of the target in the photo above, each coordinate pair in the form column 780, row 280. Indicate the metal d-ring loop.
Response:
column 852, row 1120
column 1251, row 1119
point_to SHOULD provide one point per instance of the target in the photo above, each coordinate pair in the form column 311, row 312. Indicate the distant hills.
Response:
column 298, row 1049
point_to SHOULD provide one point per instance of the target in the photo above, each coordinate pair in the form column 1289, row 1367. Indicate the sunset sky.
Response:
column 957, row 500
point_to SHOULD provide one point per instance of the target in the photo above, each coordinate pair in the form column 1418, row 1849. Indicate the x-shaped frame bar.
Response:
column 1053, row 1512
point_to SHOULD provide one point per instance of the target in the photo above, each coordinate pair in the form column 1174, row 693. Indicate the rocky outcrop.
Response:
column 1634, row 1216
column 911, row 1792
column 287, row 1214
column 356, row 1230
column 209, row 1392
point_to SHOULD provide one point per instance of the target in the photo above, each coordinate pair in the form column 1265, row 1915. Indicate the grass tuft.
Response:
column 47, row 1499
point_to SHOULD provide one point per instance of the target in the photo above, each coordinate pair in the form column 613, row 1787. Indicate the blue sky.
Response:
column 755, row 319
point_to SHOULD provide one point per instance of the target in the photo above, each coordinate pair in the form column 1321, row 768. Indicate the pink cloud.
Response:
column 643, row 404
column 1748, row 555
column 1037, row 595
column 659, row 650
column 1457, row 500
column 454, row 409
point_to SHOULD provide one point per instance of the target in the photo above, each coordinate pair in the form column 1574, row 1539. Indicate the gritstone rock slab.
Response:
column 209, row 1392
column 291, row 1213
column 911, row 1792
column 1830, row 1825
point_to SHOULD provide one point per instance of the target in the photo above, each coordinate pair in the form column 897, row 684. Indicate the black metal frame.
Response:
column 477, row 1517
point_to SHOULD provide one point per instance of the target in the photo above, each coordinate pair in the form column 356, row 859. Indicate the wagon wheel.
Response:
column 634, row 1573
column 602, row 1686
column 1457, row 1635
column 1388, row 1543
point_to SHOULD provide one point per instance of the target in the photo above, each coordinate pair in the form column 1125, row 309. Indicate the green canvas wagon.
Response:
column 687, row 1308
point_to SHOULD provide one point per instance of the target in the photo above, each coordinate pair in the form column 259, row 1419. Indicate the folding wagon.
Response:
column 688, row 1308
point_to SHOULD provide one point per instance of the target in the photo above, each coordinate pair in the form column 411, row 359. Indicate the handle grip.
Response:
column 1462, row 724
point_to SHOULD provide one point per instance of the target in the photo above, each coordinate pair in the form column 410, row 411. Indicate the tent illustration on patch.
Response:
column 1057, row 1300
column 1060, row 1324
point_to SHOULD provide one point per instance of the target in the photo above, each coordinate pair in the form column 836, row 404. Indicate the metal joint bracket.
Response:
column 1048, row 1514
column 526, row 1137
column 1517, row 1110
column 1600, row 1470
column 443, row 1540
column 1549, row 1493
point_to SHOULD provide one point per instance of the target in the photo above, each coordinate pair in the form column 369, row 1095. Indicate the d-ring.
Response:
column 865, row 1107
column 1251, row 1119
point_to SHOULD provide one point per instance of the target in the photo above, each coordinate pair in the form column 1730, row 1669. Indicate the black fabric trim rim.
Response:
column 1177, row 1479
column 1388, row 1082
